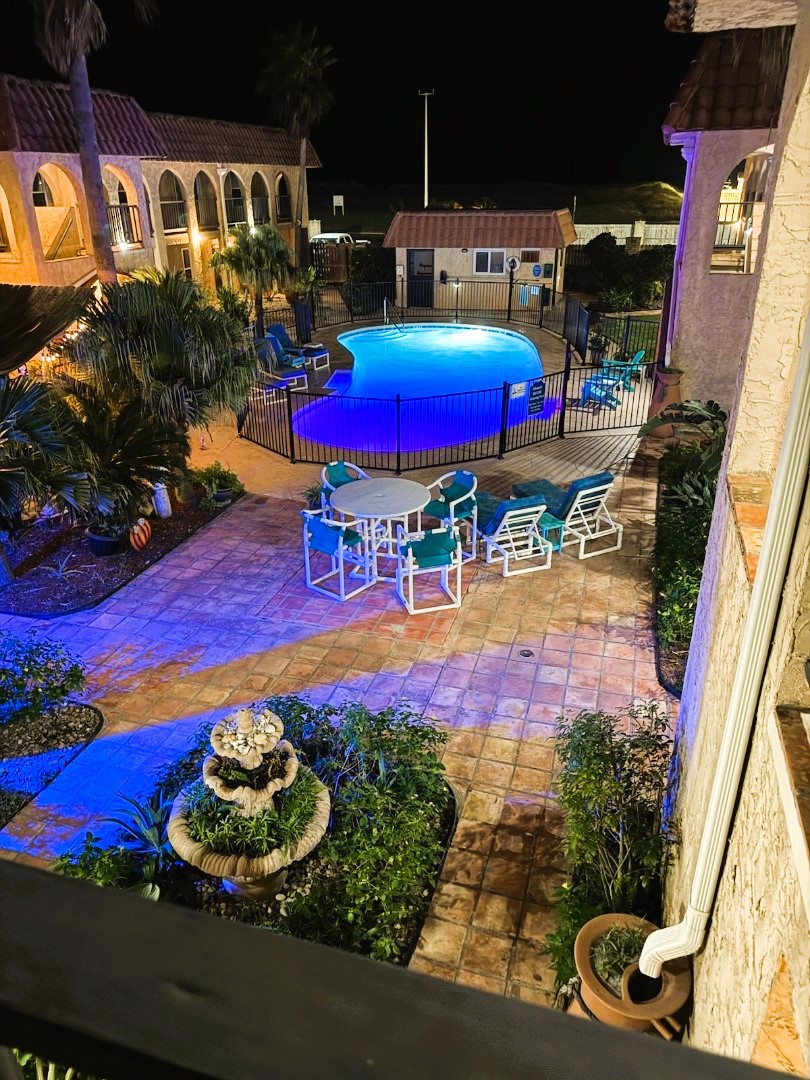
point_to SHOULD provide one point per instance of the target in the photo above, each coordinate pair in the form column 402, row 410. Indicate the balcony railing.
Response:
column 207, row 215
column 235, row 213
column 261, row 209
column 283, row 208
column 125, row 225
column 733, row 219
column 174, row 214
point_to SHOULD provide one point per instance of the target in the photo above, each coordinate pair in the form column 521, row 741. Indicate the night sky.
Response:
column 563, row 92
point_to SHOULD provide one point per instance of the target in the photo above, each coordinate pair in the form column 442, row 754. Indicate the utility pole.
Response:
column 426, row 94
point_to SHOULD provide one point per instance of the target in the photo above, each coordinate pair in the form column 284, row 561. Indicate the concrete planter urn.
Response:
column 641, row 1003
column 250, row 766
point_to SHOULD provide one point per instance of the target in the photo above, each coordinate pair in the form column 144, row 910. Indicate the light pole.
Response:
column 426, row 94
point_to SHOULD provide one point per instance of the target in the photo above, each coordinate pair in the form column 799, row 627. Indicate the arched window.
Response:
column 283, row 200
column 5, row 246
column 205, row 199
column 41, row 191
column 259, row 199
column 172, row 203
column 123, row 198
column 739, row 215
column 234, row 200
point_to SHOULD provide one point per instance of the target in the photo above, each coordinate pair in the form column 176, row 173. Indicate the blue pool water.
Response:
column 459, row 369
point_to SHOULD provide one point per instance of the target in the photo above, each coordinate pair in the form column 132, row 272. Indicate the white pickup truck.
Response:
column 336, row 238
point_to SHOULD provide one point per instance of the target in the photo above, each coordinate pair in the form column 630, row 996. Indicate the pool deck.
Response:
column 226, row 619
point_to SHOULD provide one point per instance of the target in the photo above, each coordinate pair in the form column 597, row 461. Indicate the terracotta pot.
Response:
column 629, row 1011
column 666, row 391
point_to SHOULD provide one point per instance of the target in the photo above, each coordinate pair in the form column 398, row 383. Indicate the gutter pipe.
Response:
column 786, row 499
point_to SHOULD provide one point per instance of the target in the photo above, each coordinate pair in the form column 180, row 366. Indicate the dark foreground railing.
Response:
column 129, row 989
column 399, row 434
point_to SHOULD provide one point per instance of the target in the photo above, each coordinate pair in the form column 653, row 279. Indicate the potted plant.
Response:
column 597, row 347
column 105, row 536
column 613, row 989
column 312, row 495
column 217, row 485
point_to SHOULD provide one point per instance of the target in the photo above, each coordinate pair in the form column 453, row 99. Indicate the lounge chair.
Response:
column 599, row 391
column 576, row 515
column 432, row 551
column 512, row 532
column 315, row 353
column 343, row 548
column 453, row 503
column 276, row 375
column 282, row 357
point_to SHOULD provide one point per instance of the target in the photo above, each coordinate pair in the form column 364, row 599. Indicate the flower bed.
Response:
column 365, row 888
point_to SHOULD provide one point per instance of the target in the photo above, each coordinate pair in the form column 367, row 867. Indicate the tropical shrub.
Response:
column 216, row 477
column 611, row 791
column 35, row 675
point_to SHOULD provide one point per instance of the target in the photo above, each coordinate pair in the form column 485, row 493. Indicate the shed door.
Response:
column 420, row 277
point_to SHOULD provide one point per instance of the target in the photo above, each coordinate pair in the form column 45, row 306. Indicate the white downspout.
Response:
column 786, row 498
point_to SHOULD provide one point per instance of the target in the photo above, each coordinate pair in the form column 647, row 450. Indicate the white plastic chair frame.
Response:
column 469, row 524
column 327, row 488
column 408, row 569
column 519, row 539
column 345, row 560
column 588, row 520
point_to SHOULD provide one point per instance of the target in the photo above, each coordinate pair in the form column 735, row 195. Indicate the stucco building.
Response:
column 738, row 894
column 174, row 185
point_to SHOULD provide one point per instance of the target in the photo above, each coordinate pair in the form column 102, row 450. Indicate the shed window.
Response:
column 530, row 256
column 489, row 260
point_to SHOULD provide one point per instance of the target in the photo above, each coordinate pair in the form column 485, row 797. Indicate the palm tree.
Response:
column 158, row 340
column 66, row 31
column 294, row 77
column 259, row 258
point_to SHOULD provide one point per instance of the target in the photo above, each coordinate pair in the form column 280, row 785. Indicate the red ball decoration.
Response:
column 140, row 534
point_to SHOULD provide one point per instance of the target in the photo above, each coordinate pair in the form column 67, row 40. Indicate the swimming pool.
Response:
column 449, row 377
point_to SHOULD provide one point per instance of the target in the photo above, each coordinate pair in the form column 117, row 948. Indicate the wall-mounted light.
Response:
column 464, row 251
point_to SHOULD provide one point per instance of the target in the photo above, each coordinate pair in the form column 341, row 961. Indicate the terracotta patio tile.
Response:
column 487, row 953
column 506, row 877
column 453, row 902
column 531, row 994
column 473, row 836
column 441, row 941
column 532, row 967
column 481, row 982
column 463, row 867
column 480, row 806
column 500, row 914
column 493, row 772
column 537, row 921
column 498, row 749
column 459, row 765
column 513, row 843
column 543, row 886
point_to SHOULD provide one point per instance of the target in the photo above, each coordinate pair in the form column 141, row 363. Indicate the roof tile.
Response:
column 481, row 228
column 727, row 87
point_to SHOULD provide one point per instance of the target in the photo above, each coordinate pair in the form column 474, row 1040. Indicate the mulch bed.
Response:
column 34, row 750
column 55, row 572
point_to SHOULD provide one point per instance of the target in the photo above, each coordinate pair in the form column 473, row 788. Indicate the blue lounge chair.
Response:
column 576, row 515
column 277, row 375
column 600, row 390
column 624, row 370
column 315, row 353
column 282, row 357
column 512, row 531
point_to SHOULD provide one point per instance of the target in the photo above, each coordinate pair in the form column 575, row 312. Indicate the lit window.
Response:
column 530, row 256
column 489, row 261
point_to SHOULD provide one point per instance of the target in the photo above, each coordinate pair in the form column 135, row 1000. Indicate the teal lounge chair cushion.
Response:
column 326, row 538
column 559, row 500
column 493, row 522
column 436, row 549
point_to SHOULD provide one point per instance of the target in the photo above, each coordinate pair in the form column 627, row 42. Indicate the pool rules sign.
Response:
column 537, row 396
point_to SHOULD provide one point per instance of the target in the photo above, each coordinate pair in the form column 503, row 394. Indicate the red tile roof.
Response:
column 38, row 116
column 481, row 228
column 187, row 138
column 727, row 87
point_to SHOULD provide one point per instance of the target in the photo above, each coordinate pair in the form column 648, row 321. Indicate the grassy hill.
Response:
column 369, row 211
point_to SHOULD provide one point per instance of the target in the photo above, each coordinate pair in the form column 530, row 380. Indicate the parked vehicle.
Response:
column 336, row 238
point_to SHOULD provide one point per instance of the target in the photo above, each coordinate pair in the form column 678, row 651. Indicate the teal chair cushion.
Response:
column 325, row 538
column 338, row 474
column 436, row 549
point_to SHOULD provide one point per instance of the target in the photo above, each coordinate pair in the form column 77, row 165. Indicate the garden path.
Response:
column 226, row 619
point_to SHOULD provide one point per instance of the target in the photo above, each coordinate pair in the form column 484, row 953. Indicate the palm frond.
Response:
column 31, row 316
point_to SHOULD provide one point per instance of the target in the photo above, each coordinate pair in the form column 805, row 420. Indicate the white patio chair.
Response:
column 512, row 533
column 429, row 551
column 453, row 503
column 342, row 548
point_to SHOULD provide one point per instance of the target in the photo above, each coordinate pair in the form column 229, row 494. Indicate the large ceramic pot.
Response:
column 644, row 1002
column 101, row 544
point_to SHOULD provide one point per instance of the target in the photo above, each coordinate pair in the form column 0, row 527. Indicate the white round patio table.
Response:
column 383, row 499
